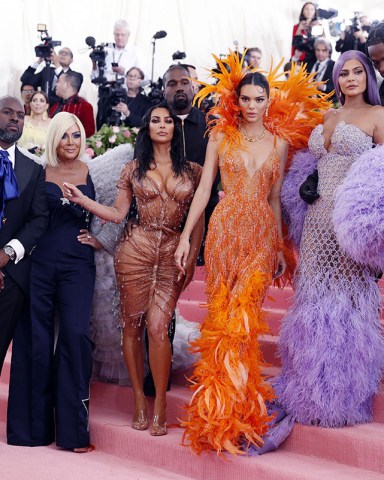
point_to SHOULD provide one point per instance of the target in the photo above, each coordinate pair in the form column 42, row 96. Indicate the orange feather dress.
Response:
column 227, row 410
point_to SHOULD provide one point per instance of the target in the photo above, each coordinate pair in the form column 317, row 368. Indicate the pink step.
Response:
column 112, row 434
column 274, row 318
column 111, row 410
column 310, row 453
column 47, row 463
column 269, row 348
column 275, row 298
column 6, row 369
column 195, row 291
column 361, row 446
column 192, row 310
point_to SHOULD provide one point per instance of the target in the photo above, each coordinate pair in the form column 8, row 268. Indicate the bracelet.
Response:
column 84, row 205
column 116, row 213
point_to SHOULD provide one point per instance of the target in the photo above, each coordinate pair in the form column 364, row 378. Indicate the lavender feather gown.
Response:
column 330, row 342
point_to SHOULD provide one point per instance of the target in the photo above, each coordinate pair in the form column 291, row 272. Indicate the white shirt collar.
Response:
column 11, row 153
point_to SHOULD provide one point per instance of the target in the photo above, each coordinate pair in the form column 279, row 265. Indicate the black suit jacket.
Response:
column 327, row 77
column 26, row 217
column 47, row 74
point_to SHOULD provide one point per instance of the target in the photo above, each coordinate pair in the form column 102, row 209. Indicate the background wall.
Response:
column 197, row 27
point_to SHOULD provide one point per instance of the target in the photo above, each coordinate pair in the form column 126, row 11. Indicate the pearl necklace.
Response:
column 252, row 140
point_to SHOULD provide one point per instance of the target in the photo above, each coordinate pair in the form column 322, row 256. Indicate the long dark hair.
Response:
column 255, row 78
column 302, row 17
column 144, row 146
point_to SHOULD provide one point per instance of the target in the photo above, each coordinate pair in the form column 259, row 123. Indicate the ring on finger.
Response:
column 89, row 237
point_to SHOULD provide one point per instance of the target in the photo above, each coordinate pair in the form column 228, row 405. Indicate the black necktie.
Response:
column 316, row 68
column 9, row 188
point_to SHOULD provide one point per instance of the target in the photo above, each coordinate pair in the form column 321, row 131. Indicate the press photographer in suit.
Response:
column 47, row 78
column 23, row 218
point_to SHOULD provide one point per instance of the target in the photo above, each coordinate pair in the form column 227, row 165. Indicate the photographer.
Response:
column 305, row 32
column 46, row 78
column 120, row 57
column 355, row 35
column 135, row 104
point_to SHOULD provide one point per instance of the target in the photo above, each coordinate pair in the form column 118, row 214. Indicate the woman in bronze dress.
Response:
column 149, row 282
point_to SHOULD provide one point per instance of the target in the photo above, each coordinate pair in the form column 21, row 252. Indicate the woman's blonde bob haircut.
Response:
column 56, row 130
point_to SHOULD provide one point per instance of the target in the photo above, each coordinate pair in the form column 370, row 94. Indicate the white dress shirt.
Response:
column 127, row 57
column 320, row 69
column 14, row 243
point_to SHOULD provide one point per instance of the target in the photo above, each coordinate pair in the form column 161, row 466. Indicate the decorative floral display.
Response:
column 109, row 137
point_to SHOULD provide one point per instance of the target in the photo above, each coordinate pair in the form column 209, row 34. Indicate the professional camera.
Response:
column 113, row 91
column 178, row 55
column 155, row 94
column 97, row 55
column 44, row 50
column 110, row 94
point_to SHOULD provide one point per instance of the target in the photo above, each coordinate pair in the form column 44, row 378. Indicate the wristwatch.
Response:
column 8, row 250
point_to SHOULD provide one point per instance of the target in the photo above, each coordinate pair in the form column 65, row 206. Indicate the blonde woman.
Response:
column 54, row 405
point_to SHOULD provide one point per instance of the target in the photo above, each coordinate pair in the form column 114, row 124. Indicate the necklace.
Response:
column 252, row 140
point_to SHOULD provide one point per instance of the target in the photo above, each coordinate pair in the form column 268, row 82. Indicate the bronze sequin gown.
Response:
column 145, row 266
column 228, row 405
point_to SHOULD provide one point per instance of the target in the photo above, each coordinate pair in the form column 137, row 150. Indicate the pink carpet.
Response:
column 121, row 452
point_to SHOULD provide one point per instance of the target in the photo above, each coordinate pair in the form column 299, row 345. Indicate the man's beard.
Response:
column 180, row 103
column 10, row 137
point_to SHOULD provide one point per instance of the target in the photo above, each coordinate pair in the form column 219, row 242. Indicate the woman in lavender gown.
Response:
column 331, row 344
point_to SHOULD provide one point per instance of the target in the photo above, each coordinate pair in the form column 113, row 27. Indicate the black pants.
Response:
column 12, row 303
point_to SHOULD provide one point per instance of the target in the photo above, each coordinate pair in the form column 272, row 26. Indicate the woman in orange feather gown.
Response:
column 244, row 252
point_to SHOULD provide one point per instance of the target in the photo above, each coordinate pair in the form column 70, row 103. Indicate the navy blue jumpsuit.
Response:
column 49, row 386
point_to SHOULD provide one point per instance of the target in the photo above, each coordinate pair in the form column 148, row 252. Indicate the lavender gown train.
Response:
column 330, row 343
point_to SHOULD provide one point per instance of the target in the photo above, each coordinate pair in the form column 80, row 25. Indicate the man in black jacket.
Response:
column 23, row 215
column 375, row 48
column 323, row 66
column 47, row 78
column 178, row 92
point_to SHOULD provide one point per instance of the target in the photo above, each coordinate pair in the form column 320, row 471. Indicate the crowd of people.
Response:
column 64, row 220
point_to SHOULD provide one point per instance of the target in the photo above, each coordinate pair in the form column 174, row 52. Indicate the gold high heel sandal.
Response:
column 140, row 420
column 158, row 429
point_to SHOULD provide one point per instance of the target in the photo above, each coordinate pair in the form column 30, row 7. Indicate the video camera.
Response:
column 97, row 55
column 114, row 91
column 44, row 50
column 178, row 55
column 110, row 94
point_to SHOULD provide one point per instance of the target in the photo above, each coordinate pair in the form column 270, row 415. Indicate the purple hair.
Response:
column 371, row 93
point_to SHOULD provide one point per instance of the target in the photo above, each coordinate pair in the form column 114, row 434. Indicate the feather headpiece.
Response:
column 296, row 105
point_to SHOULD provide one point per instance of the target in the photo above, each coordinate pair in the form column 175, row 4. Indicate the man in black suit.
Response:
column 23, row 218
column 47, row 78
column 375, row 48
column 323, row 65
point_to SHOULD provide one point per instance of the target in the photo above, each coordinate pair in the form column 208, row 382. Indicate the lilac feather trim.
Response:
column 358, row 215
column 280, row 428
column 332, row 352
column 293, row 207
